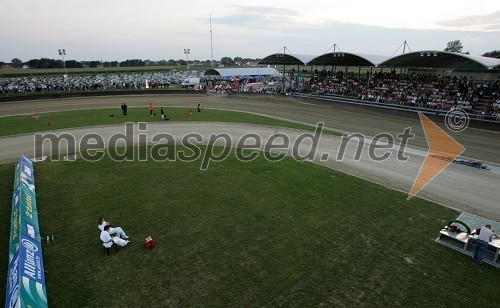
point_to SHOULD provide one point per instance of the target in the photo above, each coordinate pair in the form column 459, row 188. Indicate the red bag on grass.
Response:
column 150, row 244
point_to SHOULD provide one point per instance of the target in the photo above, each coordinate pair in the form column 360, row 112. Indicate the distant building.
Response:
column 25, row 67
column 6, row 66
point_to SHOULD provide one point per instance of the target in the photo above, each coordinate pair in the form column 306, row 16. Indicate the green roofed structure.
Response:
column 286, row 59
column 441, row 59
column 347, row 59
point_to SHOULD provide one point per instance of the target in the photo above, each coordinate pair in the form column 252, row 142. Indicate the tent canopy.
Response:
column 440, row 59
column 417, row 59
column 347, row 59
column 286, row 59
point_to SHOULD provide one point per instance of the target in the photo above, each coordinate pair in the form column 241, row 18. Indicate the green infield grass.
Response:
column 18, row 124
column 240, row 234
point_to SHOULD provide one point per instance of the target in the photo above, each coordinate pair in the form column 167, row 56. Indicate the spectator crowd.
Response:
column 415, row 90
column 421, row 91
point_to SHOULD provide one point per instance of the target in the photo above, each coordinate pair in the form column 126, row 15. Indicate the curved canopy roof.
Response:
column 286, row 59
column 441, row 59
column 243, row 71
column 347, row 59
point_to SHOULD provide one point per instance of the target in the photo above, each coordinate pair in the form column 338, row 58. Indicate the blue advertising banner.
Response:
column 27, row 168
column 17, row 178
column 26, row 279
column 29, row 215
column 12, row 296
column 30, row 260
column 15, row 224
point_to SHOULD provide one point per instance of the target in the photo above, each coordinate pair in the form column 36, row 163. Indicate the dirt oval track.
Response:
column 458, row 187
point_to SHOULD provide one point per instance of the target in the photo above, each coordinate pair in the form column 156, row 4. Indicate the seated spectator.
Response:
column 421, row 91
column 101, row 224
column 108, row 240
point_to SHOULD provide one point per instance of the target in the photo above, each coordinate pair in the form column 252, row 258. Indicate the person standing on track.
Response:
column 150, row 109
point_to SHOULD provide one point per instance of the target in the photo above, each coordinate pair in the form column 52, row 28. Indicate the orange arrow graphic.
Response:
column 443, row 149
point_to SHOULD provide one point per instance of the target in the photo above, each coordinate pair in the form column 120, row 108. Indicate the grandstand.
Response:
column 428, row 81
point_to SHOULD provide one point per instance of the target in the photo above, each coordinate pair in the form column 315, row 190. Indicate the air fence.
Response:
column 25, row 278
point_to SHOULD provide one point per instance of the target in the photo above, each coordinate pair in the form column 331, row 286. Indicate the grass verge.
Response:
column 11, row 125
column 240, row 234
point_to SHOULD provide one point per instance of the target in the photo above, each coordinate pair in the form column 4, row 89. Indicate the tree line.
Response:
column 453, row 46
column 44, row 63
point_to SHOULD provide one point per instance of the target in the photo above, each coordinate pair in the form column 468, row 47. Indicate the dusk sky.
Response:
column 155, row 30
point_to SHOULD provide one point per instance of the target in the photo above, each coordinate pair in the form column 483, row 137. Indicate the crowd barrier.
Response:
column 476, row 121
column 25, row 277
column 333, row 97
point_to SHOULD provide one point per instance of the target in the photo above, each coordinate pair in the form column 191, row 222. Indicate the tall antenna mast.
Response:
column 404, row 45
column 211, row 42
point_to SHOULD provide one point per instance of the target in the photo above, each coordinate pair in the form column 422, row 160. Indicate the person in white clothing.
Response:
column 108, row 240
column 482, row 242
column 117, row 231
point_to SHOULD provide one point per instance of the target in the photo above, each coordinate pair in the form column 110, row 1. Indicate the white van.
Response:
column 191, row 82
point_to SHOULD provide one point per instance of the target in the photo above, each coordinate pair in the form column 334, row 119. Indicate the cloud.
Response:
column 257, row 17
column 377, row 40
column 317, row 38
column 264, row 10
column 490, row 22
column 238, row 30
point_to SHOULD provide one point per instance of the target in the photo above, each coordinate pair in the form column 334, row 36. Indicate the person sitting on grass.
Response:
column 101, row 223
column 108, row 240
column 199, row 108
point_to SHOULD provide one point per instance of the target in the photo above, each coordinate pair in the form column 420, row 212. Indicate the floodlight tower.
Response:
column 187, row 51
column 62, row 53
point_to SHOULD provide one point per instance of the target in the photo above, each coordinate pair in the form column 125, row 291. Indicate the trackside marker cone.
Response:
column 190, row 111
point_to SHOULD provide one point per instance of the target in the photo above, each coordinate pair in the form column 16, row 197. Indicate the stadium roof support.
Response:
column 243, row 71
column 286, row 59
column 347, row 59
column 440, row 59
